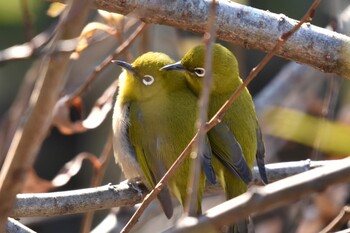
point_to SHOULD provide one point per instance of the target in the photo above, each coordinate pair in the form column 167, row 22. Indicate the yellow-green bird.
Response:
column 153, row 122
column 239, row 125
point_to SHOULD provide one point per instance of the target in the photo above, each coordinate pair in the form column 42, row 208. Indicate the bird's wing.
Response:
column 228, row 150
column 260, row 155
column 206, row 162
column 152, row 168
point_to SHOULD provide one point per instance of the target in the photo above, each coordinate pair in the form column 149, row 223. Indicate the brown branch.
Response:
column 107, row 61
column 11, row 119
column 27, row 20
column 220, row 114
column 203, row 104
column 97, row 179
column 29, row 136
column 339, row 221
column 215, row 120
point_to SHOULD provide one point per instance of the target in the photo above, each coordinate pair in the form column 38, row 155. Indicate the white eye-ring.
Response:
column 200, row 72
column 148, row 80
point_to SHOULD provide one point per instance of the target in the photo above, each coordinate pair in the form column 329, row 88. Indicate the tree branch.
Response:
column 78, row 201
column 30, row 135
column 125, row 194
column 268, row 197
column 14, row 226
column 246, row 26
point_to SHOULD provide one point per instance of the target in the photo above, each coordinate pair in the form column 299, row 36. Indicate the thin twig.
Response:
column 27, row 20
column 11, row 119
column 342, row 218
column 199, row 147
column 216, row 119
column 220, row 114
column 30, row 135
column 108, row 60
column 97, row 179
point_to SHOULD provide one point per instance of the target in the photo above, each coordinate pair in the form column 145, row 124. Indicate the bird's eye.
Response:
column 147, row 80
column 200, row 72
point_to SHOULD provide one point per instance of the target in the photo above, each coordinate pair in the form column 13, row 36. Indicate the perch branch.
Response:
column 123, row 194
column 246, row 26
column 265, row 198
column 14, row 226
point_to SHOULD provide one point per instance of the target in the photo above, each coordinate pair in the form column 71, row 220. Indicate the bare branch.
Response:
column 339, row 221
column 203, row 105
column 123, row 194
column 246, row 26
column 14, row 226
column 27, row 20
column 29, row 136
column 265, row 198
column 107, row 61
column 78, row 201
column 97, row 179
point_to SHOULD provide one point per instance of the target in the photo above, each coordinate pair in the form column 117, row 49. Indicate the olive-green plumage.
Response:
column 153, row 122
column 239, row 120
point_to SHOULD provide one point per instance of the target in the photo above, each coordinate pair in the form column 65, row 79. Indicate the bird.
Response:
column 153, row 121
column 239, row 126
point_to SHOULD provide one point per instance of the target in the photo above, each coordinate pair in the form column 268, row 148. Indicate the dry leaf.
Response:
column 87, row 36
column 101, row 108
column 68, row 114
column 64, row 111
column 111, row 18
column 71, row 168
column 55, row 9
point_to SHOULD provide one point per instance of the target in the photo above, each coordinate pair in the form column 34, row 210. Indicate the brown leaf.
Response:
column 103, row 105
column 87, row 36
column 65, row 115
column 72, row 167
column 68, row 114
column 111, row 18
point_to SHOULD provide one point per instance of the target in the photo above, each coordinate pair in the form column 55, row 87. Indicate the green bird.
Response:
column 239, row 131
column 153, row 121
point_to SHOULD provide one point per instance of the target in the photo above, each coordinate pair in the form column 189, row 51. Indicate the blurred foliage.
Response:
column 325, row 135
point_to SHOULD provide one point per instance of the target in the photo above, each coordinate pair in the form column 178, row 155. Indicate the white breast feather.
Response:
column 124, row 153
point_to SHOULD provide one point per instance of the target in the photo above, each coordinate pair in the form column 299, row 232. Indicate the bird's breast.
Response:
column 124, row 152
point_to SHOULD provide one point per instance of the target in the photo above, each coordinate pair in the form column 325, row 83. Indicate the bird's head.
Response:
column 224, row 68
column 143, row 79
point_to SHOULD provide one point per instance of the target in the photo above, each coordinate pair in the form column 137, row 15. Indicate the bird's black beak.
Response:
column 124, row 65
column 174, row 66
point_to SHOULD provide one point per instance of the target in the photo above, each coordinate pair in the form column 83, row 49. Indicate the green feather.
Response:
column 162, row 114
column 240, row 118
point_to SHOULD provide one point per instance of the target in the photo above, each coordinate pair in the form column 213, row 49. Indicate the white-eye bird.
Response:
column 153, row 121
column 239, row 125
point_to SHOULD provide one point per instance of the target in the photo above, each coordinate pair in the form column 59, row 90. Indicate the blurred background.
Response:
column 303, row 113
